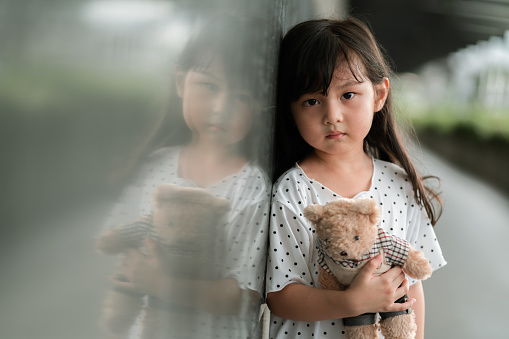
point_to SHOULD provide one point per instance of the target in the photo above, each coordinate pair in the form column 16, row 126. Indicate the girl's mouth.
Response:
column 217, row 127
column 335, row 135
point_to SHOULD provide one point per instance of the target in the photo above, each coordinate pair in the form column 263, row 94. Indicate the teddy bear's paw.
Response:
column 110, row 243
column 399, row 327
column 417, row 265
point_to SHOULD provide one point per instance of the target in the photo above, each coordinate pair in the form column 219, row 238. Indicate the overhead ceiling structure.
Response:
column 415, row 32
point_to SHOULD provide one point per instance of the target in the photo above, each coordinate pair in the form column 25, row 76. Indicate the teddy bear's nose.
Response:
column 344, row 254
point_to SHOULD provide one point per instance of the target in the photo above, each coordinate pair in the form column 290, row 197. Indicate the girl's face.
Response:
column 338, row 122
column 216, row 112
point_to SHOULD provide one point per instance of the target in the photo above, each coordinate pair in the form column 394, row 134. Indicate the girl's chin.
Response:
column 218, row 140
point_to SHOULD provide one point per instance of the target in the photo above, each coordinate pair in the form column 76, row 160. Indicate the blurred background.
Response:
column 81, row 80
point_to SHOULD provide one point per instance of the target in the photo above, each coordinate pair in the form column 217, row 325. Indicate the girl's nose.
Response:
column 220, row 103
column 333, row 114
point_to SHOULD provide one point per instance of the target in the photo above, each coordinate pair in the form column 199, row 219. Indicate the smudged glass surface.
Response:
column 102, row 104
column 191, row 226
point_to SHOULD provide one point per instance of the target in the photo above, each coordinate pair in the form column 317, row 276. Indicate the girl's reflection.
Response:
column 212, row 141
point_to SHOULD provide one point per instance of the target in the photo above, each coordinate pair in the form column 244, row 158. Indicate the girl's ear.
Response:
column 381, row 93
column 180, row 78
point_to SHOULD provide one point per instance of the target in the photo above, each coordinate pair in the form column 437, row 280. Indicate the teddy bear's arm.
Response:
column 119, row 239
column 417, row 265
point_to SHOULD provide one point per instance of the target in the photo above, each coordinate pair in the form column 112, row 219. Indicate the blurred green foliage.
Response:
column 477, row 121
column 42, row 88
column 476, row 141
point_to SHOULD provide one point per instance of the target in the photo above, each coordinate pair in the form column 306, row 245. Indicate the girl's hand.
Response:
column 377, row 293
column 141, row 271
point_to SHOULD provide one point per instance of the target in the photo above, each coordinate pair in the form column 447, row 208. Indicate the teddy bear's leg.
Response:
column 399, row 327
column 150, row 323
column 362, row 332
column 157, row 321
column 120, row 311
column 417, row 265
column 361, row 326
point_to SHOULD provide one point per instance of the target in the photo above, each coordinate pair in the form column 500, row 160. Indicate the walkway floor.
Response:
column 467, row 298
column 53, row 283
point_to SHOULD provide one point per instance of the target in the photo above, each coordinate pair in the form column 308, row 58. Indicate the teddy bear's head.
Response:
column 186, row 216
column 347, row 227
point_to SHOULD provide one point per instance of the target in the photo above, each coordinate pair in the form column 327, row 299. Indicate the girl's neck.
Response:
column 209, row 152
column 346, row 175
column 206, row 164
column 351, row 161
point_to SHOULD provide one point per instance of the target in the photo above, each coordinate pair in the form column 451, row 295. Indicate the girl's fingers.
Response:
column 403, row 289
column 394, row 274
column 405, row 285
column 396, row 307
column 367, row 271
column 400, row 292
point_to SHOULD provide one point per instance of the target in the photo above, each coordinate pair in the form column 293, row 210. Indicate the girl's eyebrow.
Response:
column 348, row 83
column 209, row 74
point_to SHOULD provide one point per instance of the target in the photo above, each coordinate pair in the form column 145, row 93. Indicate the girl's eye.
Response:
column 348, row 95
column 210, row 86
column 311, row 102
column 244, row 98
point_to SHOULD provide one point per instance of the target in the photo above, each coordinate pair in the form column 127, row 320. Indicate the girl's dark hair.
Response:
column 309, row 54
column 243, row 52
column 243, row 45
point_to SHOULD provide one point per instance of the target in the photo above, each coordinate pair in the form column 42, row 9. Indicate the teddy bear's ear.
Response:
column 376, row 215
column 221, row 205
column 164, row 192
column 372, row 210
column 314, row 213
column 369, row 207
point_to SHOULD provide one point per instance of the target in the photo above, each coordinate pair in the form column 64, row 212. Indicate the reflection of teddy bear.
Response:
column 184, row 225
column 348, row 237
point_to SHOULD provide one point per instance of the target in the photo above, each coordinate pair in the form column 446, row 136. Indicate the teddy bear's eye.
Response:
column 356, row 238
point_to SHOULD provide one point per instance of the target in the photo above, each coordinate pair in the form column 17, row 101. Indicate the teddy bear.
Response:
column 348, row 236
column 183, row 225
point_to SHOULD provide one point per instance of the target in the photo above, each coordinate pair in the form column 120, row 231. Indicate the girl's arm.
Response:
column 416, row 291
column 367, row 293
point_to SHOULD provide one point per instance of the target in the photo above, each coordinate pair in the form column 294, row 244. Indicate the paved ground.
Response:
column 467, row 298
column 52, row 283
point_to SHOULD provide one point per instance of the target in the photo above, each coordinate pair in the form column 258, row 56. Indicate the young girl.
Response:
column 210, row 144
column 336, row 137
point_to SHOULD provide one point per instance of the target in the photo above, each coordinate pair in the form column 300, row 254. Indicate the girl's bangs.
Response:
column 237, row 51
column 315, row 71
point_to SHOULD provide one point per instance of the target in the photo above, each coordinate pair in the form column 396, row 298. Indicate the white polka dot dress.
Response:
column 293, row 254
column 242, row 244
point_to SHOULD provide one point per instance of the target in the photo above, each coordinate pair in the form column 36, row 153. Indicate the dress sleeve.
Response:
column 125, row 210
column 421, row 236
column 291, row 247
column 247, row 238
column 135, row 200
